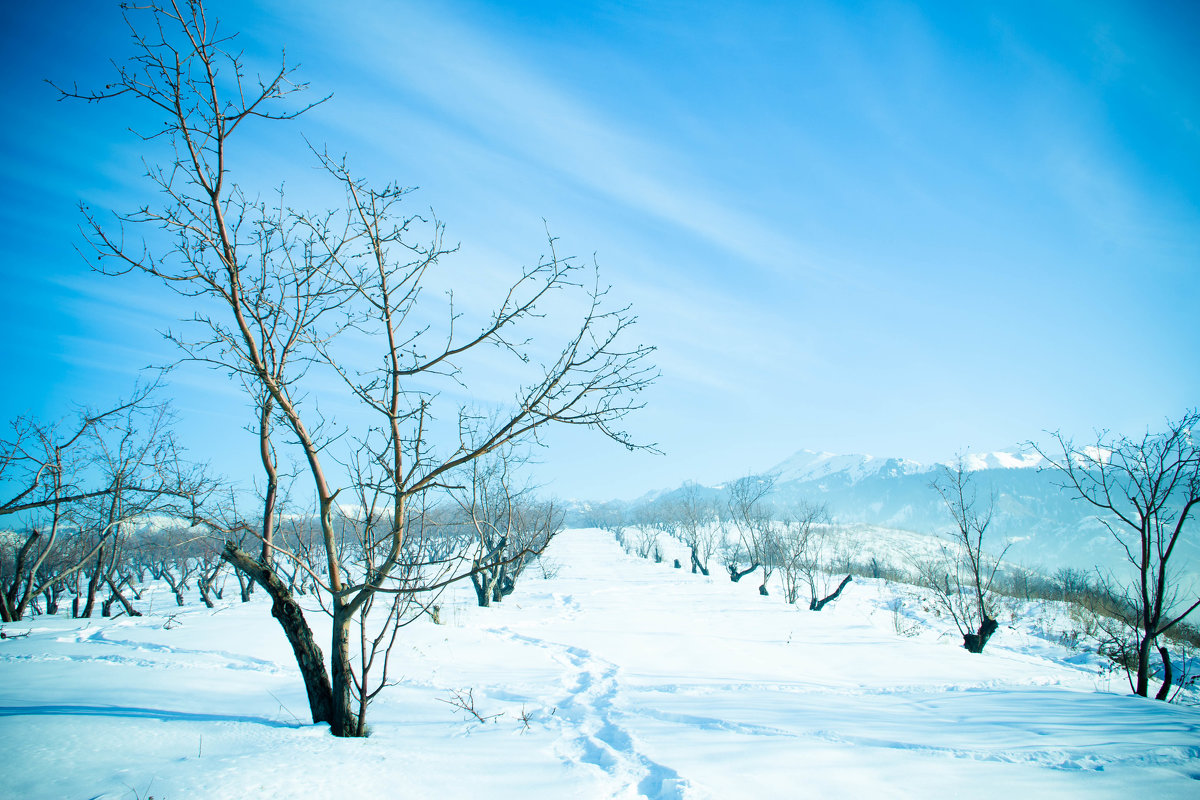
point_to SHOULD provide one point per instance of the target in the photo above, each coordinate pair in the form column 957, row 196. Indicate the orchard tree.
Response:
column 283, row 298
column 752, row 517
column 1147, row 490
column 698, row 520
column 963, row 574
column 510, row 526
column 805, row 550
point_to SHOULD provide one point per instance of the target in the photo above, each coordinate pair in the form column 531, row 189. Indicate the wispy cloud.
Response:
column 519, row 110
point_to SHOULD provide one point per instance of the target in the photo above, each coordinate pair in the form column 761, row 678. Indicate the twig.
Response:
column 285, row 708
column 466, row 702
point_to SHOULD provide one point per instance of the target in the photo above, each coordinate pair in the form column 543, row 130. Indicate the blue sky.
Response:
column 901, row 229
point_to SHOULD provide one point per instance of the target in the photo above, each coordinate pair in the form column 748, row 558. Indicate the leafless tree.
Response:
column 324, row 278
column 646, row 544
column 511, row 527
column 1146, row 490
column 962, row 577
column 752, row 518
column 656, row 519
column 698, row 521
column 804, row 552
column 611, row 518
column 823, row 553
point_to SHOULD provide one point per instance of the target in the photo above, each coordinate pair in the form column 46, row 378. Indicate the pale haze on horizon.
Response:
column 909, row 230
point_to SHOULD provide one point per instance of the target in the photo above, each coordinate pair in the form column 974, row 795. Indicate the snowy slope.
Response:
column 637, row 680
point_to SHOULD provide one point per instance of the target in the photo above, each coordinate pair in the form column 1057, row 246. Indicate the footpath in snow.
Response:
column 616, row 678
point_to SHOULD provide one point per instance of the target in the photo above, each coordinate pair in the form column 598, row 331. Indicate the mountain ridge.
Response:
column 807, row 464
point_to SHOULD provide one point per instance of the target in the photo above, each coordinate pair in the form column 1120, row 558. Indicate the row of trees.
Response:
column 74, row 494
column 1145, row 490
column 745, row 533
column 98, row 509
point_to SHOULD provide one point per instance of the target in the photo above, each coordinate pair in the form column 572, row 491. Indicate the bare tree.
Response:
column 962, row 577
column 804, row 551
column 697, row 518
column 826, row 555
column 1146, row 490
column 367, row 264
column 752, row 518
column 511, row 527
column 654, row 520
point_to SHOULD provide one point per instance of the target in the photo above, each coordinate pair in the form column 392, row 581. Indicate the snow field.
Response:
column 634, row 679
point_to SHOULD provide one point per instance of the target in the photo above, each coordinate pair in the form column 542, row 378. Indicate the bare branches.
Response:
column 1147, row 490
column 465, row 701
column 105, row 471
column 286, row 299
column 752, row 517
column 962, row 577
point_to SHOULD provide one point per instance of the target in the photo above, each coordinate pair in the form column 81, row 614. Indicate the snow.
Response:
column 1003, row 459
column 636, row 680
column 810, row 465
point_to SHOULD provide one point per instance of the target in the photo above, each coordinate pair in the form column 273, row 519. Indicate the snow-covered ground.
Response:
column 616, row 678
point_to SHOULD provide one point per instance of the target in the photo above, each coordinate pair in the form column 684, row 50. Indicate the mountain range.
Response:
column 1043, row 524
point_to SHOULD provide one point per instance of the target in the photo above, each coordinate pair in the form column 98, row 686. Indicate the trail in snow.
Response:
column 589, row 730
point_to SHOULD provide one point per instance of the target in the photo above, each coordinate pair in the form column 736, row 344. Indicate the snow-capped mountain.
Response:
column 1043, row 524
column 1016, row 458
column 809, row 465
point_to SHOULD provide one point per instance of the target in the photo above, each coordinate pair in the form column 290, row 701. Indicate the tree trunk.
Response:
column 117, row 595
column 975, row 642
column 246, row 585
column 1143, row 669
column 483, row 591
column 345, row 721
column 817, row 605
column 51, row 594
column 498, row 584
column 287, row 611
column 1164, row 691
column 736, row 574
column 93, row 583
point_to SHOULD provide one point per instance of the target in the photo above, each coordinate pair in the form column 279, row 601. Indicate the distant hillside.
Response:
column 1045, row 526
